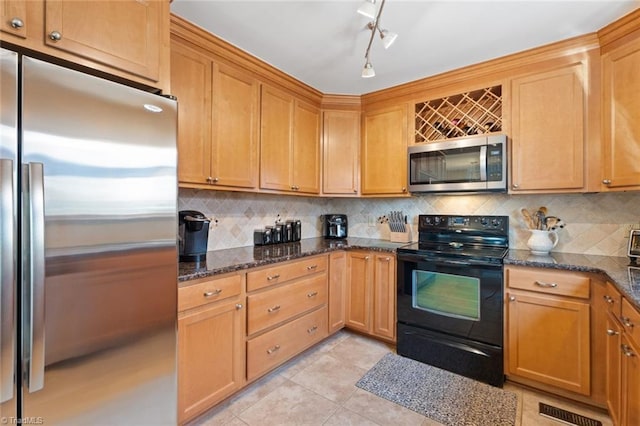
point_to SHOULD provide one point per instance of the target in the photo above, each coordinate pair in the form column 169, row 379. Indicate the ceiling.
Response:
column 322, row 43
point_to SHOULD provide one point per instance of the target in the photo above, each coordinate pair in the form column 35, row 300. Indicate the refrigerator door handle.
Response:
column 36, row 274
column 7, row 280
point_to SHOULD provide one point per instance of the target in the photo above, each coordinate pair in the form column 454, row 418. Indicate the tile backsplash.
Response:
column 595, row 223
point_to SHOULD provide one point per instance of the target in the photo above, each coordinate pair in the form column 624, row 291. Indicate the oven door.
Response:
column 458, row 298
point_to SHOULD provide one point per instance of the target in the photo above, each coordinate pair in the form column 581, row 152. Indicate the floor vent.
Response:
column 566, row 417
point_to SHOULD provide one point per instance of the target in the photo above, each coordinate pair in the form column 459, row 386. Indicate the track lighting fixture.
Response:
column 368, row 9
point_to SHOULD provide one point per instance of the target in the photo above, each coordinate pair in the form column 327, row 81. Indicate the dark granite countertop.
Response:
column 626, row 278
column 235, row 259
column 617, row 269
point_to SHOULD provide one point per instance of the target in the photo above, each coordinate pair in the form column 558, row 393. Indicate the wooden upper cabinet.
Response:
column 548, row 137
column 217, row 121
column 621, row 115
column 13, row 18
column 384, row 151
column 340, row 150
column 289, row 143
column 306, row 148
column 191, row 84
column 125, row 34
column 234, row 152
column 125, row 38
column 275, row 139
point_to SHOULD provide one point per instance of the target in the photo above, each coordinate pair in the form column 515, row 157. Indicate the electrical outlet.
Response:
column 214, row 222
column 371, row 220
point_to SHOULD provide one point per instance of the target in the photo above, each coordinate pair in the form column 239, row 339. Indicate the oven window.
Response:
column 446, row 294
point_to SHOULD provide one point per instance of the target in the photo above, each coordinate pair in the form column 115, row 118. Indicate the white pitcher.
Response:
column 541, row 242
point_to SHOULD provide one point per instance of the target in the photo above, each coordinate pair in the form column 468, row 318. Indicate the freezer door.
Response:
column 99, row 215
column 8, row 231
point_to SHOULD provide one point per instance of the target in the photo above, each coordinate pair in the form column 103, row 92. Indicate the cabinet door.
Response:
column 384, row 296
column 340, row 150
column 211, row 357
column 548, row 340
column 621, row 115
column 613, row 369
column 306, row 149
column 125, row 34
column 337, row 290
column 359, row 267
column 13, row 18
column 234, row 156
column 548, row 112
column 191, row 83
column 630, row 382
column 276, row 139
column 384, row 152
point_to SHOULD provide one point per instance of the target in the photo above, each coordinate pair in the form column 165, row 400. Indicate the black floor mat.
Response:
column 565, row 416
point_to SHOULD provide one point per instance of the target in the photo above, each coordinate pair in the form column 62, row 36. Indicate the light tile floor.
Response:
column 318, row 388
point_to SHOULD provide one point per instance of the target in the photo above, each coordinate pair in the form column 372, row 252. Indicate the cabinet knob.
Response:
column 17, row 23
column 608, row 299
column 627, row 351
column 515, row 186
column 606, row 181
column 404, row 189
column 626, row 321
column 273, row 349
column 355, row 191
column 612, row 332
column 238, row 306
column 274, row 309
column 512, row 298
column 312, row 294
column 366, row 258
column 55, row 36
column 215, row 180
column 273, row 277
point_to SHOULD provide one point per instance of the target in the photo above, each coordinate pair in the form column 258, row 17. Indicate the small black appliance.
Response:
column 335, row 226
column 193, row 229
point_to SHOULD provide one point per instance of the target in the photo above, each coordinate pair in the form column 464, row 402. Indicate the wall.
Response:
column 595, row 223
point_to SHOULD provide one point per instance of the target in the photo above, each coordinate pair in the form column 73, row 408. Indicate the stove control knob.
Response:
column 495, row 222
column 483, row 221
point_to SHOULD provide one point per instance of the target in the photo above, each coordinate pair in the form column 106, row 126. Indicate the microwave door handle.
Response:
column 483, row 163
column 7, row 279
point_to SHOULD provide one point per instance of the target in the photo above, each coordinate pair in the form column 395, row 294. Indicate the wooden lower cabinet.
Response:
column 630, row 373
column 211, row 354
column 274, row 347
column 548, row 332
column 337, row 290
column 371, row 293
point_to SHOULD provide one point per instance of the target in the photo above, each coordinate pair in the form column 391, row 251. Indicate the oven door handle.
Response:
column 445, row 262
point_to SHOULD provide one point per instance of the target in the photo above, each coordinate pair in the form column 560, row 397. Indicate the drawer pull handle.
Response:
column 215, row 292
column 626, row 322
column 612, row 333
column 55, row 36
column 274, row 309
column 312, row 329
column 238, row 306
column 312, row 294
column 271, row 350
column 17, row 23
column 626, row 350
column 545, row 285
column 273, row 277
column 311, row 267
column 608, row 299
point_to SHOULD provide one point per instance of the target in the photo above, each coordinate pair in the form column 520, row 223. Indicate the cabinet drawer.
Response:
column 282, row 303
column 630, row 319
column 550, row 282
column 285, row 272
column 277, row 346
column 208, row 290
column 613, row 300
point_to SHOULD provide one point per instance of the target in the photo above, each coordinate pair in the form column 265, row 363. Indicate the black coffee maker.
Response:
column 193, row 229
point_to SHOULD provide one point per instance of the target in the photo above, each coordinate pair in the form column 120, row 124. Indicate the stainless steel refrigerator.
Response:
column 88, row 249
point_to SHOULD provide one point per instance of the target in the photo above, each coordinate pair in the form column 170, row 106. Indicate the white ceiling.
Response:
column 322, row 43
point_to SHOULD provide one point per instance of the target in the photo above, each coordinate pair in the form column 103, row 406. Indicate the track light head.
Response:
column 368, row 71
column 368, row 9
column 388, row 37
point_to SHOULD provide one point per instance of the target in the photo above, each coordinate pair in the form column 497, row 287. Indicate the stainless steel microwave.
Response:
column 472, row 164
